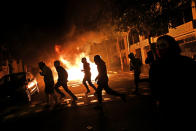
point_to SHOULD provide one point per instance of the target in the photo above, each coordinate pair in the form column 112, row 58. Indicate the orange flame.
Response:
column 74, row 70
column 57, row 49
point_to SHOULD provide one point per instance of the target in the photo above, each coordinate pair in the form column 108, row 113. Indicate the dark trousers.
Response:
column 88, row 79
column 104, row 85
column 49, row 91
column 136, row 81
column 64, row 85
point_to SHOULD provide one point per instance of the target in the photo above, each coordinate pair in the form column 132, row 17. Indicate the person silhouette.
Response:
column 102, row 81
column 87, row 75
column 150, row 58
column 62, row 80
column 49, row 82
column 172, row 84
column 135, row 65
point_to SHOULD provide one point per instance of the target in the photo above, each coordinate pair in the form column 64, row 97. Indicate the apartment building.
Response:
column 184, row 33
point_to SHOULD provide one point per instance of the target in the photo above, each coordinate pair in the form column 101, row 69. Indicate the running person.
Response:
column 87, row 75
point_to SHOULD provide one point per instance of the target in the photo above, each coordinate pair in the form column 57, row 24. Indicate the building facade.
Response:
column 108, row 51
column 184, row 33
column 8, row 64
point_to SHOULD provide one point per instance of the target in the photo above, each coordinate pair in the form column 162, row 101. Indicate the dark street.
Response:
column 136, row 114
column 97, row 65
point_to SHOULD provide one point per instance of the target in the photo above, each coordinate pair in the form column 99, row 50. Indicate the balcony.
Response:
column 181, row 30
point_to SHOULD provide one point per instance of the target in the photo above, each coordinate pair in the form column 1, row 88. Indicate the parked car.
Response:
column 18, row 87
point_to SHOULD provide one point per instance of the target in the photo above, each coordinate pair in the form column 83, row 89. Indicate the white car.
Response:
column 18, row 87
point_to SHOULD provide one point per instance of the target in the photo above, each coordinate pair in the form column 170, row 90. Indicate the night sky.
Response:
column 31, row 29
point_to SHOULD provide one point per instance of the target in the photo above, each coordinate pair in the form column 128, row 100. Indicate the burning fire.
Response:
column 74, row 70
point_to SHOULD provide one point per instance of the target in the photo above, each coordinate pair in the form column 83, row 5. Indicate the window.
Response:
column 133, row 36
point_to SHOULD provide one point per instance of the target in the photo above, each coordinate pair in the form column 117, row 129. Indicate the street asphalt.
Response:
column 137, row 114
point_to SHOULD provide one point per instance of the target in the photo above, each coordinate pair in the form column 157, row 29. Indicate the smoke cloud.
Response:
column 33, row 30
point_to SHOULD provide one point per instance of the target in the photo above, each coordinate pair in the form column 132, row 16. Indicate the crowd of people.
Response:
column 101, row 79
column 172, row 82
column 171, row 78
